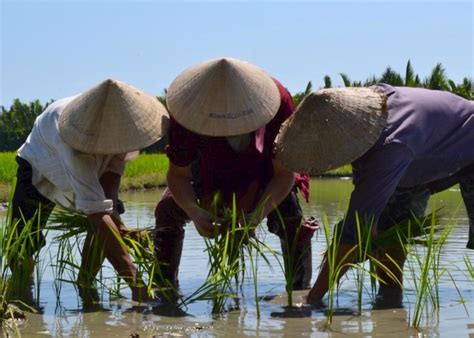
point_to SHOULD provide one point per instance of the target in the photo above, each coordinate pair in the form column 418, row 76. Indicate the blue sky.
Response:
column 53, row 49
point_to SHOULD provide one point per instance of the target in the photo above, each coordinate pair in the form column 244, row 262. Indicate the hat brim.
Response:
column 223, row 97
column 112, row 118
column 331, row 128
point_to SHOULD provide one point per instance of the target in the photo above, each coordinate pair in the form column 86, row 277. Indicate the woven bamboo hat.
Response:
column 112, row 118
column 223, row 97
column 330, row 128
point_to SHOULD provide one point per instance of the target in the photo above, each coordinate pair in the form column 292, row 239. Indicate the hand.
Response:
column 203, row 222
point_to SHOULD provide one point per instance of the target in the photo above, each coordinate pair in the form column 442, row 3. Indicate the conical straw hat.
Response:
column 330, row 128
column 223, row 97
column 111, row 118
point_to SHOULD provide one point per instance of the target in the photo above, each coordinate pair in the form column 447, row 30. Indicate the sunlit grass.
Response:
column 8, row 166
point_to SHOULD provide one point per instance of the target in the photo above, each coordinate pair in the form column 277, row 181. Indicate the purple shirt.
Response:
column 429, row 135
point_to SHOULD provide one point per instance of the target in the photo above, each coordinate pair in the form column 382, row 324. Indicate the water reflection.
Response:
column 328, row 198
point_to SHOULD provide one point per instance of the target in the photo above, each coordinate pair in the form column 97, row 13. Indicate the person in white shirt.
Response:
column 75, row 157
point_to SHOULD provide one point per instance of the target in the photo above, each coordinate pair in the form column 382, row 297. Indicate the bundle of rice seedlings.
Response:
column 234, row 237
column 72, row 226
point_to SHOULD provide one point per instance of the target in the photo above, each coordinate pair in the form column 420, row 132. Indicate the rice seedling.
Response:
column 331, row 258
column 469, row 266
column 72, row 227
column 290, row 260
column 224, row 251
column 363, row 248
column 458, row 291
column 233, row 246
column 425, row 267
column 364, row 251
column 15, row 285
column 8, row 166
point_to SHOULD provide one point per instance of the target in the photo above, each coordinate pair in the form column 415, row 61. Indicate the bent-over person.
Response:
column 75, row 157
column 225, row 115
column 404, row 144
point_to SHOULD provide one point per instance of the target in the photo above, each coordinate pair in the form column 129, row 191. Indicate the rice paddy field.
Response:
column 438, row 288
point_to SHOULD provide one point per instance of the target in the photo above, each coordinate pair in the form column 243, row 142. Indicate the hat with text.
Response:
column 223, row 97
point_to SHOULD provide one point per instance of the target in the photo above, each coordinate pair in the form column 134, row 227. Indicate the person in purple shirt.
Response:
column 225, row 115
column 425, row 145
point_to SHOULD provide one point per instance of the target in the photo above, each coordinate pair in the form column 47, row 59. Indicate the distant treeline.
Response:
column 17, row 121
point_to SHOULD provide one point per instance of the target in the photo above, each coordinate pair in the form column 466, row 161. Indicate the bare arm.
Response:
column 275, row 192
column 179, row 182
column 105, row 230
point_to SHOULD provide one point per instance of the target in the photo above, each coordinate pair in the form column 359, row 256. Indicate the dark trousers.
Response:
column 29, row 205
column 407, row 201
column 169, row 235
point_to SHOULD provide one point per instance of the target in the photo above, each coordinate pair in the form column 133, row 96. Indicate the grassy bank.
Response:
column 147, row 171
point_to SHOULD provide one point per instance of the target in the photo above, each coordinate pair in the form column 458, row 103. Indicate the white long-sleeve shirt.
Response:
column 64, row 175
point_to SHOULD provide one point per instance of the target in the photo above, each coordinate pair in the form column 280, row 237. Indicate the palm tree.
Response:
column 437, row 79
column 298, row 97
column 409, row 75
column 327, row 81
column 345, row 80
column 391, row 77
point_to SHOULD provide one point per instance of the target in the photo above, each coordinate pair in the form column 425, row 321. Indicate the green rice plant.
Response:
column 458, row 291
column 409, row 231
column 425, row 260
column 233, row 239
column 254, row 270
column 290, row 260
column 72, row 226
column 147, row 171
column 147, row 163
column 469, row 267
column 224, row 251
column 256, row 249
column 331, row 258
column 8, row 166
column 364, row 252
column 15, row 286
column 363, row 249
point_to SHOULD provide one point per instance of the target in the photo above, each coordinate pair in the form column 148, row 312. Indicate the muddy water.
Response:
column 329, row 198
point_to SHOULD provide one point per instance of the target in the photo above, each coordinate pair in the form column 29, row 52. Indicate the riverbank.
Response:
column 146, row 172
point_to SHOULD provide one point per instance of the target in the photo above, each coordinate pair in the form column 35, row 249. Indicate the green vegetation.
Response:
column 7, row 167
column 231, row 252
column 425, row 267
column 436, row 80
column 147, row 171
column 16, row 123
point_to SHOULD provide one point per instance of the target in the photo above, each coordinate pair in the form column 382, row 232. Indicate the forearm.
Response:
column 274, row 193
column 329, row 273
column 183, row 192
column 108, row 235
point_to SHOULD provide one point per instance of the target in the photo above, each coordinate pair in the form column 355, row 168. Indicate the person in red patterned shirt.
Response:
column 225, row 115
